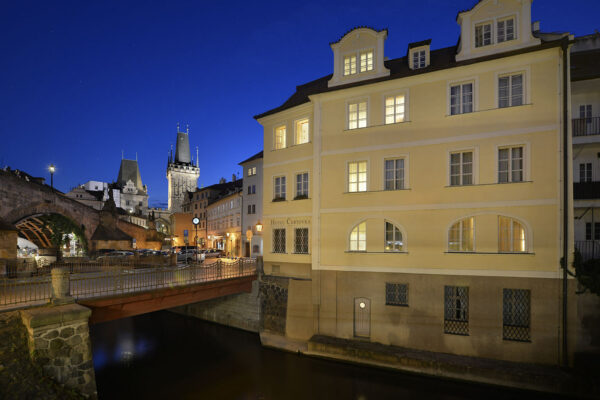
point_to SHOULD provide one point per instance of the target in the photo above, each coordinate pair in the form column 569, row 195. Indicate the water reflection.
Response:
column 168, row 356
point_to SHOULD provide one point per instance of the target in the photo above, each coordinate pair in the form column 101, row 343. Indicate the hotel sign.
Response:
column 290, row 221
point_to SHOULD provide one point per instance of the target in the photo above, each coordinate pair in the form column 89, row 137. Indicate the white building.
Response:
column 252, row 206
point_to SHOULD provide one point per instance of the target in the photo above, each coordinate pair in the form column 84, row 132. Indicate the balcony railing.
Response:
column 586, row 126
column 586, row 190
column 588, row 249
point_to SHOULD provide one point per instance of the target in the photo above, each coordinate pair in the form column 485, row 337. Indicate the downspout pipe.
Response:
column 565, row 257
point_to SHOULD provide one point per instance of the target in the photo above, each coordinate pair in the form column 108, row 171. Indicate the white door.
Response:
column 362, row 317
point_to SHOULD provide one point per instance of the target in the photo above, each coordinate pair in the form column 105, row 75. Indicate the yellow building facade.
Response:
column 418, row 201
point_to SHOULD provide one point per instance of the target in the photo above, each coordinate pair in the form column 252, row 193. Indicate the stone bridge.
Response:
column 24, row 200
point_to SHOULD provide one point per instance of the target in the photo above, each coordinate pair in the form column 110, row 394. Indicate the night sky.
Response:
column 81, row 81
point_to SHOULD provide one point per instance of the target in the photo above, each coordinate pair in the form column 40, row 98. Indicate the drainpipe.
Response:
column 565, row 258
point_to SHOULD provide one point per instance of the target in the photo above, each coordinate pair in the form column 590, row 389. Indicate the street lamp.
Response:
column 259, row 227
column 52, row 168
column 196, row 221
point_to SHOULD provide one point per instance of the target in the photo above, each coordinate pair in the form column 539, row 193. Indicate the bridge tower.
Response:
column 182, row 174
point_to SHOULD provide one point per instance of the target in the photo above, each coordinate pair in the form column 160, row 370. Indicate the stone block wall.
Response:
column 59, row 342
column 273, row 304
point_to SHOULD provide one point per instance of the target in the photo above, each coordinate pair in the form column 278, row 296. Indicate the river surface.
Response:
column 169, row 356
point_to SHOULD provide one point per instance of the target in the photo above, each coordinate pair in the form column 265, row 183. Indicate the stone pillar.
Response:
column 60, row 286
column 260, row 266
column 59, row 342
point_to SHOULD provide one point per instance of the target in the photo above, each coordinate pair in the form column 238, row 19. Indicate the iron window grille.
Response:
column 456, row 310
column 301, row 242
column 516, row 315
column 278, row 240
column 396, row 294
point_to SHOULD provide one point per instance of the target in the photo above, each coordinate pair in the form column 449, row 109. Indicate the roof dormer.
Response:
column 495, row 26
column 358, row 56
column 418, row 54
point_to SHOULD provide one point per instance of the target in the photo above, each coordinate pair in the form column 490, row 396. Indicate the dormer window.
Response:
column 419, row 59
column 483, row 34
column 366, row 61
column 506, row 30
column 349, row 65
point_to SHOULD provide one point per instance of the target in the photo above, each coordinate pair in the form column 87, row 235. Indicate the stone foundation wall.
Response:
column 59, row 342
column 238, row 311
column 273, row 303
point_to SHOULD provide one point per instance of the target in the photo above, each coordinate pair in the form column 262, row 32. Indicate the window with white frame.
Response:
column 461, row 235
column 366, row 61
column 302, row 131
column 357, row 176
column 301, row 241
column 350, row 64
column 279, row 240
column 510, row 90
column 251, row 208
column 505, row 30
column 510, row 164
column 394, row 109
column 358, row 237
column 512, row 237
column 461, row 168
column 393, row 238
column 585, row 172
column 280, row 133
column 251, row 171
column 357, row 115
column 419, row 59
column 302, row 185
column 483, row 34
column 279, row 188
column 394, row 174
column 461, row 98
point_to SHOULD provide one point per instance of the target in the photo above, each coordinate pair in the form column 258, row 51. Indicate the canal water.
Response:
column 169, row 356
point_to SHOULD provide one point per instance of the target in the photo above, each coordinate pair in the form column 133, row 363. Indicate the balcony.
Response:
column 586, row 126
column 586, row 190
column 588, row 249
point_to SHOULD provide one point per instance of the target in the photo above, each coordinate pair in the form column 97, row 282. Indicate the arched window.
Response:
column 512, row 236
column 393, row 238
column 358, row 237
column 461, row 235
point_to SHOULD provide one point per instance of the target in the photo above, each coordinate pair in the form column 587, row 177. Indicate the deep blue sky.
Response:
column 82, row 80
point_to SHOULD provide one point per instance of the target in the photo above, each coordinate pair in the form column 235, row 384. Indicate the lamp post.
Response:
column 52, row 168
column 196, row 221
column 229, row 244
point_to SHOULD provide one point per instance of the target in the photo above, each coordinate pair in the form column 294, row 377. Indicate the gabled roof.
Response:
column 254, row 157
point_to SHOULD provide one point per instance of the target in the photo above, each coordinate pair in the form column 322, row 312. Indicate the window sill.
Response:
column 491, row 252
column 292, row 146
column 488, row 109
column 301, row 198
column 279, row 200
column 302, row 254
column 377, row 191
column 375, row 252
column 396, row 305
column 487, row 184
column 374, row 126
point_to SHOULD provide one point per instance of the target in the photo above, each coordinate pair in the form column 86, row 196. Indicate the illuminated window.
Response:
column 483, row 35
column 357, row 176
column 512, row 237
column 461, row 168
column 252, row 171
column 461, row 234
column 358, row 237
column 393, row 238
column 510, row 164
column 505, row 30
column 419, row 59
column 366, row 61
column 461, row 98
column 357, row 115
column 350, row 65
column 394, row 109
column 510, row 90
column 279, row 188
column 302, row 131
column 280, row 133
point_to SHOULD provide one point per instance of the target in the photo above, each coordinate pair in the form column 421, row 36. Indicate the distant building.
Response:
column 252, row 210
column 92, row 198
column 224, row 219
column 181, row 172
column 133, row 194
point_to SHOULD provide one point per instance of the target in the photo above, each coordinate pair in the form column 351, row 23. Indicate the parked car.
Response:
column 213, row 253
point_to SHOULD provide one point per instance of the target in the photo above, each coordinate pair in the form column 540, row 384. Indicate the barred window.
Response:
column 396, row 294
column 456, row 310
column 278, row 240
column 516, row 315
column 301, row 241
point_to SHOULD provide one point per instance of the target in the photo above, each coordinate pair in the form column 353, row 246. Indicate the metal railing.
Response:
column 586, row 126
column 589, row 249
column 115, row 280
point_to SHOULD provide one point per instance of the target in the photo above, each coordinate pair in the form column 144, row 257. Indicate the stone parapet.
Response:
column 59, row 342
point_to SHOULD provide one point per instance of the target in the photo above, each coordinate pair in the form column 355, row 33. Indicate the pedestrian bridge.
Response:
column 117, row 291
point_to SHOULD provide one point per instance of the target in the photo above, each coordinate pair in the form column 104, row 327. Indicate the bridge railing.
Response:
column 114, row 280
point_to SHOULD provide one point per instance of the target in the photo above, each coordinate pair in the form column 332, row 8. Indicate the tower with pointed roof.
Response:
column 182, row 174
